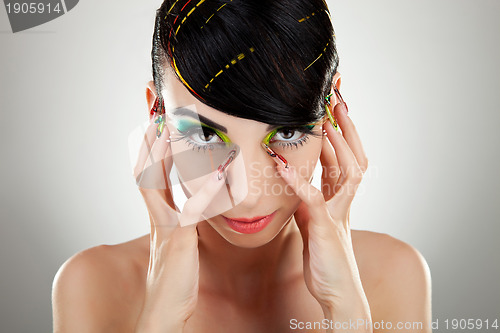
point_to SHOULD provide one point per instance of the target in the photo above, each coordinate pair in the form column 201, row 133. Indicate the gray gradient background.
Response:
column 422, row 82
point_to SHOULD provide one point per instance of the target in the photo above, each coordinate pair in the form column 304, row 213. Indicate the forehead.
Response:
column 176, row 95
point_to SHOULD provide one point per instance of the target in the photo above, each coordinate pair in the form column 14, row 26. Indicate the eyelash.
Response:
column 305, row 130
column 185, row 135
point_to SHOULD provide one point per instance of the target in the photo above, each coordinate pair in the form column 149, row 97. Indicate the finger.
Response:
column 347, row 161
column 158, row 164
column 154, row 183
column 163, row 217
column 196, row 205
column 351, row 136
column 310, row 195
column 330, row 170
column 301, row 219
column 340, row 203
column 351, row 174
column 145, row 148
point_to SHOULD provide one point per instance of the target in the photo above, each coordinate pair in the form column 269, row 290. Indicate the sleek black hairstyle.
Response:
column 267, row 60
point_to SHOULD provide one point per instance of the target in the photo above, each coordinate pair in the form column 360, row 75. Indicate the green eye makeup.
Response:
column 186, row 125
column 307, row 129
column 201, row 136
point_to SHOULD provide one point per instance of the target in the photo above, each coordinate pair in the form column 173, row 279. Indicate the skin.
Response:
column 306, row 264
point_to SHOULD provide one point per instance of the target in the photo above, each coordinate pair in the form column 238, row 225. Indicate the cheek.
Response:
column 304, row 160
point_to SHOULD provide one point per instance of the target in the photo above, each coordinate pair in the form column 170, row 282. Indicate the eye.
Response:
column 287, row 134
column 290, row 137
column 204, row 136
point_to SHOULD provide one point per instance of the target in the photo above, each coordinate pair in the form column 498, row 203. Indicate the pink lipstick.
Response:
column 249, row 225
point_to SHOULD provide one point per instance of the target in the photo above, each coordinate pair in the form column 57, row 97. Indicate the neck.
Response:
column 246, row 273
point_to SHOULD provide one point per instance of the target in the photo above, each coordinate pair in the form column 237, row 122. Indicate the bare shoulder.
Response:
column 101, row 288
column 395, row 276
column 378, row 251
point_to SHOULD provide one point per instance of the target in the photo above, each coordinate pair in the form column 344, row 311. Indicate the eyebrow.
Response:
column 189, row 113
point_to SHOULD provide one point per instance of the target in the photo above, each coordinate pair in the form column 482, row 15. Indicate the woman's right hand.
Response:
column 172, row 282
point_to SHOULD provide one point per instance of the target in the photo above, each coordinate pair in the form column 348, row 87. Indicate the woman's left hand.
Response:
column 330, row 270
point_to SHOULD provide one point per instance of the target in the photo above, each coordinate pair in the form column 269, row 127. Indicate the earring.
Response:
column 160, row 120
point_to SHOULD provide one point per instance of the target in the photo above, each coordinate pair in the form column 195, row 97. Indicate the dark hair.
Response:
column 267, row 60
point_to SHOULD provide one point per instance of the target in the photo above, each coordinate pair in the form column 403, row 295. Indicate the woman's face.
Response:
column 253, row 179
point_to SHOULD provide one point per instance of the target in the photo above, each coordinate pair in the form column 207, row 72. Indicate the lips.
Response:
column 249, row 225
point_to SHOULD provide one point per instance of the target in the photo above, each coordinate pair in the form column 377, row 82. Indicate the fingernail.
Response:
column 220, row 174
column 283, row 168
column 335, row 125
column 332, row 119
column 285, row 172
column 154, row 109
column 280, row 160
column 160, row 120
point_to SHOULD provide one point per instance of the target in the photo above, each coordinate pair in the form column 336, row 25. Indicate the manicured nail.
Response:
column 280, row 160
column 218, row 176
column 161, row 124
column 154, row 109
column 333, row 121
column 286, row 173
column 335, row 125
column 220, row 170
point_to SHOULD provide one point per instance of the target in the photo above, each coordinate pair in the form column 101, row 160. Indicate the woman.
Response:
column 260, row 76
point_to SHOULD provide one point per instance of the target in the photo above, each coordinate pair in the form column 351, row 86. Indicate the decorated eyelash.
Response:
column 185, row 133
column 306, row 129
column 295, row 143
column 185, row 126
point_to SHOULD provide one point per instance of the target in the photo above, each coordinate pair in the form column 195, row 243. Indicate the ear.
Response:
column 337, row 79
column 150, row 97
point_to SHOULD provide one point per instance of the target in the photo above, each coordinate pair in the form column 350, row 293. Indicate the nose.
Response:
column 250, row 175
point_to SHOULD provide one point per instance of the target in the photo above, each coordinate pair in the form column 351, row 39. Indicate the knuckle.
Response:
column 364, row 164
column 355, row 174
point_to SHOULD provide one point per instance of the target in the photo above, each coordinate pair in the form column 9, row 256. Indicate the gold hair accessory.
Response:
column 239, row 57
